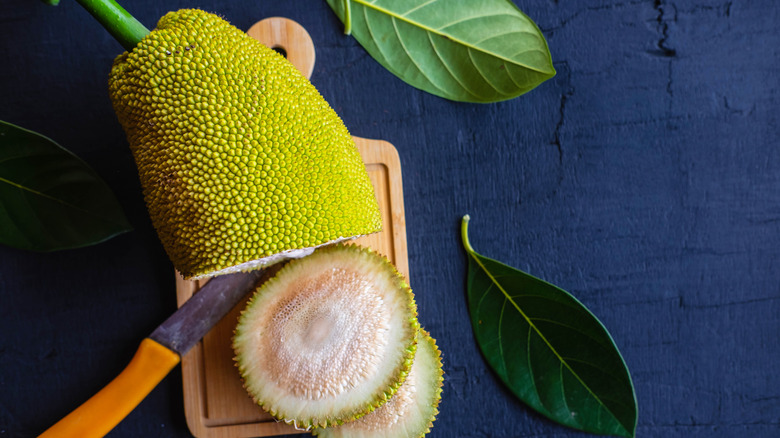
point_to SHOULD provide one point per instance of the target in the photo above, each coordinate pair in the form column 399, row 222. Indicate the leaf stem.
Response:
column 464, row 233
column 347, row 17
column 118, row 22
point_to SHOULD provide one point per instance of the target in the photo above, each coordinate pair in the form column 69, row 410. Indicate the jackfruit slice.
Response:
column 241, row 160
column 412, row 409
column 329, row 338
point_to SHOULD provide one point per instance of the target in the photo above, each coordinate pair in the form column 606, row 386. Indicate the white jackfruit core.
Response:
column 398, row 408
column 327, row 337
column 411, row 410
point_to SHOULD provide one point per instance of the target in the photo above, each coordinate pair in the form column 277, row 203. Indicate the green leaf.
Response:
column 548, row 348
column 49, row 198
column 471, row 51
column 51, row 2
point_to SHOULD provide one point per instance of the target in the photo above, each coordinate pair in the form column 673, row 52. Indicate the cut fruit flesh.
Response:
column 271, row 260
column 329, row 338
column 411, row 410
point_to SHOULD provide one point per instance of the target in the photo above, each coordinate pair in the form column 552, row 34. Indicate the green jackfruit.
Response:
column 329, row 339
column 241, row 160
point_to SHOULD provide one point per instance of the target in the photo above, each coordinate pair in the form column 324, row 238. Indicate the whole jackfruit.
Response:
column 241, row 160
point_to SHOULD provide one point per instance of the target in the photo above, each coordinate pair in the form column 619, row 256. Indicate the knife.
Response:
column 157, row 355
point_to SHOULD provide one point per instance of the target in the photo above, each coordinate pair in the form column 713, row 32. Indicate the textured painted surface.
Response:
column 644, row 178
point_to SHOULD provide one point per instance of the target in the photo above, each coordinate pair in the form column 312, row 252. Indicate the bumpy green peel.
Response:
column 241, row 160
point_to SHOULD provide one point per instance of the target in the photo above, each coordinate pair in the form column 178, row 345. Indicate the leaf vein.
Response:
column 500, row 340
column 411, row 58
column 574, row 329
column 563, row 392
column 373, row 37
column 466, row 19
column 487, row 292
column 420, row 6
column 487, row 80
column 541, row 336
column 41, row 194
column 450, row 37
column 447, row 67
column 512, row 32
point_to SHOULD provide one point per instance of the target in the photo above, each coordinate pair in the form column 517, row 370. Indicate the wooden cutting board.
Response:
column 215, row 402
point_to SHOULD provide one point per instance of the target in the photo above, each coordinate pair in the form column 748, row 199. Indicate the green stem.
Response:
column 464, row 233
column 117, row 21
column 347, row 17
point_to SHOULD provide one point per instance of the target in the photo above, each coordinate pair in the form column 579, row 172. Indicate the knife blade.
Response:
column 157, row 355
column 185, row 327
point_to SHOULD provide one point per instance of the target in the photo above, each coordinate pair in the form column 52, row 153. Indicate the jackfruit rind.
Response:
column 412, row 409
column 240, row 158
column 328, row 339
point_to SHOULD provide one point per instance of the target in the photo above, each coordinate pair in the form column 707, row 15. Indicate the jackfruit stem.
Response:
column 117, row 21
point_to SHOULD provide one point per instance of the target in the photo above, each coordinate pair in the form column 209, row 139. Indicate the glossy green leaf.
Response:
column 49, row 198
column 548, row 349
column 471, row 51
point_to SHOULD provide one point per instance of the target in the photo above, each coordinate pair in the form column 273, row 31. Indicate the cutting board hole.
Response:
column 289, row 39
column 280, row 50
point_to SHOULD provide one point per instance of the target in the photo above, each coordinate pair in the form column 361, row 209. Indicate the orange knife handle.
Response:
column 98, row 415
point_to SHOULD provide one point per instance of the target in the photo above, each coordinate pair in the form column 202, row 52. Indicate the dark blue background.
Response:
column 644, row 178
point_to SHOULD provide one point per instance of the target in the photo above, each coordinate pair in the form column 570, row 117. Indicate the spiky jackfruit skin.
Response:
column 240, row 158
